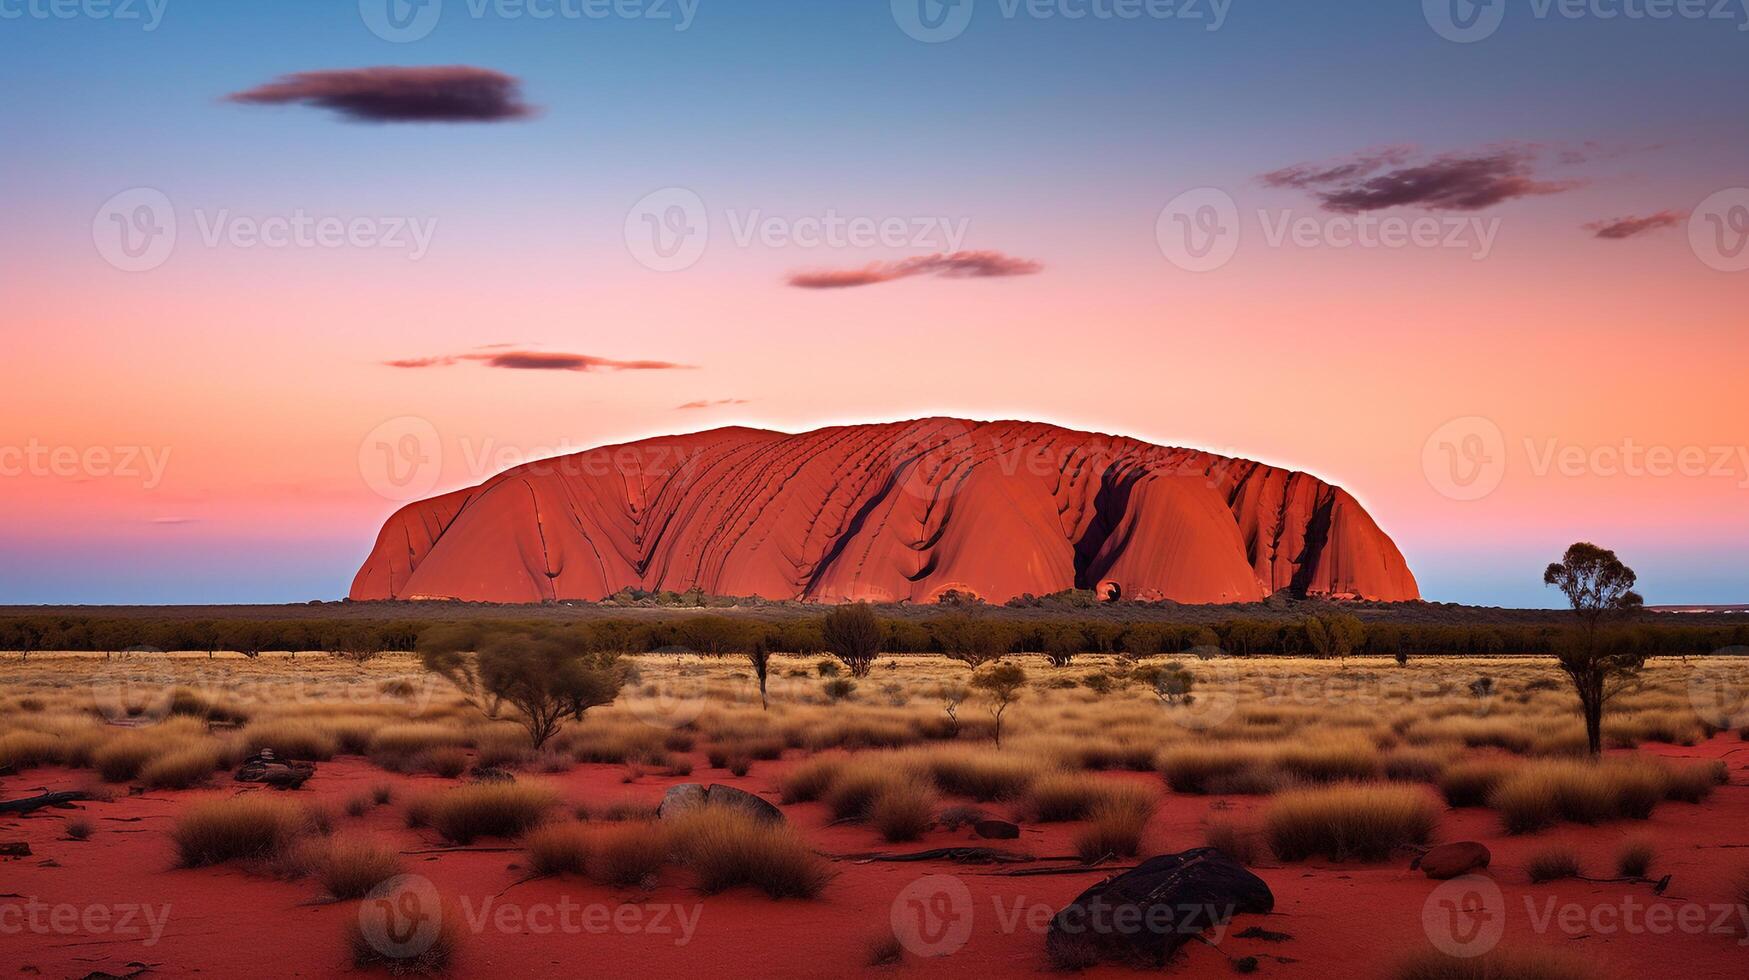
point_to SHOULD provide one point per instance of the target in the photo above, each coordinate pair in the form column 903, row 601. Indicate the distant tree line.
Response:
column 973, row 637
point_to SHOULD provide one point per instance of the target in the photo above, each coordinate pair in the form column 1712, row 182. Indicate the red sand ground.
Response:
column 1355, row 919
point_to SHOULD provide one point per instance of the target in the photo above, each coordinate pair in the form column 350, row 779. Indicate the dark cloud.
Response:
column 455, row 93
column 1628, row 227
column 1364, row 164
column 529, row 360
column 1380, row 179
column 706, row 403
column 957, row 265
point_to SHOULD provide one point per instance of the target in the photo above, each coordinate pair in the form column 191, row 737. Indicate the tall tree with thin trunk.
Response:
column 853, row 634
column 1600, row 588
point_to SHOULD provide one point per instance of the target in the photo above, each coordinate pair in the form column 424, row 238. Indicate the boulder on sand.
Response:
column 1451, row 860
column 265, row 767
column 997, row 830
column 1143, row 915
column 686, row 797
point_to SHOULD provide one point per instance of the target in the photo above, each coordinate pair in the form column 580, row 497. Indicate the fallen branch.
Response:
column 63, row 799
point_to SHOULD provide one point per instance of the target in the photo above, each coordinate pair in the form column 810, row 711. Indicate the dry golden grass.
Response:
column 254, row 826
column 1237, row 840
column 903, row 811
column 291, row 739
column 726, row 848
column 1472, row 782
column 1350, row 822
column 349, row 867
column 559, row 848
column 26, row 750
column 1539, row 794
column 430, row 960
column 1634, row 858
column 1115, row 825
column 182, row 768
column 467, row 813
column 628, row 855
column 1552, row 864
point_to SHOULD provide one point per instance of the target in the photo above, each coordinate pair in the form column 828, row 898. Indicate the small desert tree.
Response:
column 1059, row 642
column 1600, row 588
column 1334, row 636
column 951, row 695
column 1002, row 684
column 853, row 634
column 759, row 655
column 449, row 652
column 1170, row 682
column 549, row 679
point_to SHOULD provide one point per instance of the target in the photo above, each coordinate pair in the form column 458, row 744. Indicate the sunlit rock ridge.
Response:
column 902, row 511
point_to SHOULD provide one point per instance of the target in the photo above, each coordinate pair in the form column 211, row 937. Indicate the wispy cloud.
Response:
column 1386, row 178
column 1628, row 227
column 711, row 403
column 529, row 360
column 455, row 93
column 954, row 265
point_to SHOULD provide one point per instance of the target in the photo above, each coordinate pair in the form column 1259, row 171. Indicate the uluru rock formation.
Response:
column 888, row 512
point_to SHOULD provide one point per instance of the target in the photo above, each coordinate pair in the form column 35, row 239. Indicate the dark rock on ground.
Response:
column 996, row 830
column 1451, row 860
column 689, row 796
column 264, row 767
column 1142, row 916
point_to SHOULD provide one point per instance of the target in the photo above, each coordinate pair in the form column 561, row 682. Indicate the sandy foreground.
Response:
column 116, row 902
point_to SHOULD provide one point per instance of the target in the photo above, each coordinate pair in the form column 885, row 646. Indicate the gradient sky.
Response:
column 255, row 374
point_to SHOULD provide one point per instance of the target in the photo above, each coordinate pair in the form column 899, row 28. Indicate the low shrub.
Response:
column 1552, row 864
column 506, row 810
column 628, row 855
column 349, row 867
column 559, row 848
column 726, row 849
column 1634, row 858
column 1351, row 822
column 248, row 827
